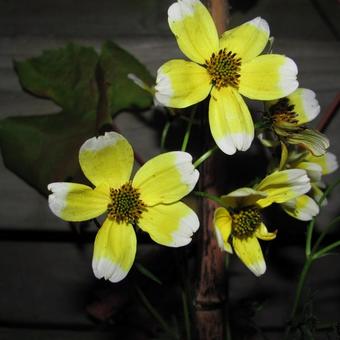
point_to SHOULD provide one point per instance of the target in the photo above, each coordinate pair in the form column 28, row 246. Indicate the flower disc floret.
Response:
column 282, row 112
column 126, row 205
column 245, row 222
column 224, row 68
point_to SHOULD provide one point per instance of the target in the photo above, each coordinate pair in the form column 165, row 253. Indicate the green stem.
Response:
column 187, row 132
column 205, row 156
column 165, row 134
column 186, row 316
column 328, row 191
column 325, row 250
column 324, row 233
column 309, row 235
column 211, row 197
column 301, row 284
column 155, row 314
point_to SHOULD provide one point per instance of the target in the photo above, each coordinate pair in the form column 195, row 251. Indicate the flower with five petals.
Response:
column 225, row 67
column 150, row 200
column 242, row 221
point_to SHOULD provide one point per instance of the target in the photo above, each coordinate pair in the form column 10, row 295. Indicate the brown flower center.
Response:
column 125, row 206
column 282, row 113
column 224, row 69
column 245, row 221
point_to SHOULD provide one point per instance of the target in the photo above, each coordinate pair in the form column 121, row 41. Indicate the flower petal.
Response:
column 313, row 140
column 166, row 178
column 247, row 40
column 282, row 186
column 268, row 77
column 313, row 170
column 181, row 83
column 302, row 208
column 328, row 162
column 222, row 228
column 114, row 251
column 194, row 29
column 242, row 197
column 170, row 225
column 284, row 156
column 263, row 233
column 77, row 202
column 107, row 159
column 305, row 104
column 317, row 194
column 250, row 253
column 230, row 122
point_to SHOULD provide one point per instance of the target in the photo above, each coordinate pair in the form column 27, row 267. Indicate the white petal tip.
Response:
column 104, row 268
column 187, row 226
column 258, row 268
column 288, row 72
column 101, row 142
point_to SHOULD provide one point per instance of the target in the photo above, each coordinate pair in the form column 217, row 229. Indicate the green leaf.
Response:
column 66, row 76
column 123, row 93
column 88, row 88
column 44, row 149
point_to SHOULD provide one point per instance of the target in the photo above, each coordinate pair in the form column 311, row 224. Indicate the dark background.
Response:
column 47, row 289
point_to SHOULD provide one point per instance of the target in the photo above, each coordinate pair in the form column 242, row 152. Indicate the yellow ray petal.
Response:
column 242, row 197
column 77, row 202
column 250, row 253
column 114, row 251
column 305, row 104
column 247, row 40
column 171, row 225
column 282, row 186
column 328, row 162
column 268, row 77
column 222, row 227
column 263, row 233
column 107, row 159
column 181, row 83
column 230, row 122
column 166, row 178
column 302, row 208
column 194, row 29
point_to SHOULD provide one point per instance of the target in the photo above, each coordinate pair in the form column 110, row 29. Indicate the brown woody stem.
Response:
column 212, row 278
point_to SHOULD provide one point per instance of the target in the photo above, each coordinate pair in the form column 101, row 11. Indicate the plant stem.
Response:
column 155, row 314
column 309, row 235
column 326, row 249
column 205, row 156
column 187, row 132
column 186, row 316
column 165, row 134
column 324, row 233
column 211, row 197
column 301, row 284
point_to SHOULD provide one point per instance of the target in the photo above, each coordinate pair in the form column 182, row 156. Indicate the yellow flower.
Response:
column 150, row 200
column 288, row 116
column 226, row 68
column 242, row 222
column 304, row 207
